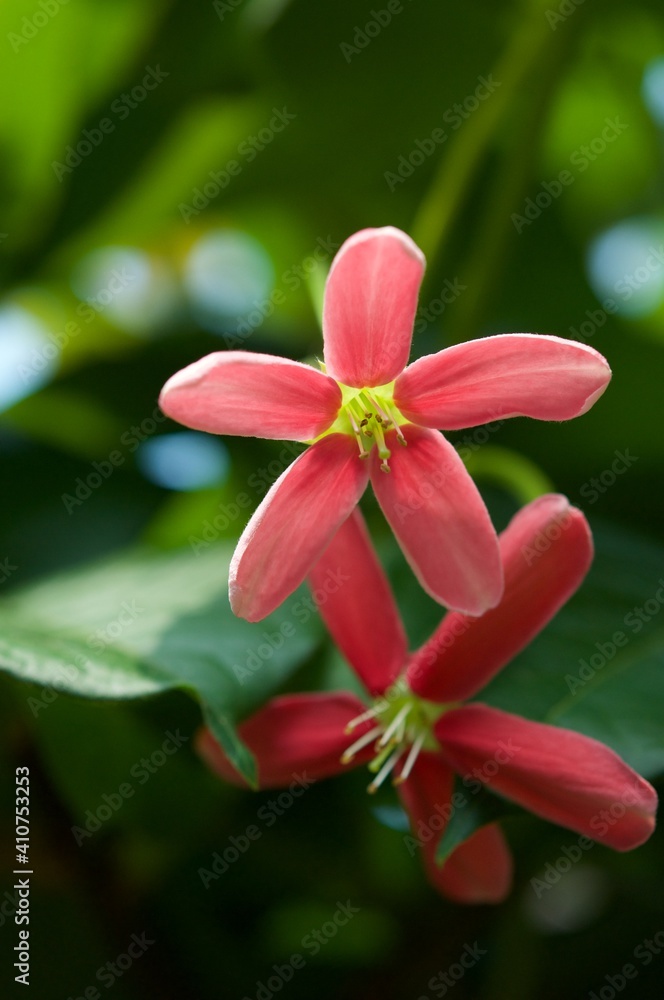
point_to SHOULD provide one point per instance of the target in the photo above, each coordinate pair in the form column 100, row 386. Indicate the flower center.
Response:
column 369, row 414
column 403, row 727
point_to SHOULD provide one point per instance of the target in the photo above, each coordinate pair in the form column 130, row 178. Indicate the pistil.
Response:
column 371, row 414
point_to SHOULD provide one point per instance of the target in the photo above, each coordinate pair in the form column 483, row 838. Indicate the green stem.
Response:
column 451, row 182
column 514, row 472
column 492, row 243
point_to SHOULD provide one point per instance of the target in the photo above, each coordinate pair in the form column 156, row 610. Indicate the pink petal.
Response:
column 546, row 551
column 560, row 775
column 252, row 395
column 480, row 869
column 512, row 375
column 297, row 735
column 357, row 605
column 440, row 520
column 370, row 305
column 294, row 523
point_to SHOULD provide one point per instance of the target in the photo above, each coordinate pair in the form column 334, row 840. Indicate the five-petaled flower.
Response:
column 359, row 412
column 418, row 728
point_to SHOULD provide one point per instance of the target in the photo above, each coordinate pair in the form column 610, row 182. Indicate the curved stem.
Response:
column 444, row 199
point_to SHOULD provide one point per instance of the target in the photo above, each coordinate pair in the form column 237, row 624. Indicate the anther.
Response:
column 371, row 713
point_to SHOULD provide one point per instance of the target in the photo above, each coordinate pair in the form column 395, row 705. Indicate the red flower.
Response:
column 419, row 730
column 364, row 406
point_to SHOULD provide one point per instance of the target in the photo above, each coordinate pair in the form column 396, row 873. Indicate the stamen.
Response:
column 399, row 432
column 380, row 412
column 410, row 759
column 371, row 713
column 358, row 436
column 348, row 754
column 385, row 770
column 394, row 724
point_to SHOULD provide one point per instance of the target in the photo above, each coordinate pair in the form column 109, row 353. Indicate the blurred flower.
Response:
column 419, row 730
column 363, row 406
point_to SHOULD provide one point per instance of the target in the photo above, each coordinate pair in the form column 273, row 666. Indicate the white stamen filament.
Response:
column 385, row 770
column 410, row 759
column 348, row 754
column 394, row 724
column 371, row 713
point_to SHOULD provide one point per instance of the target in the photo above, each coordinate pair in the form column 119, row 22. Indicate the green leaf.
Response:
column 145, row 623
column 470, row 812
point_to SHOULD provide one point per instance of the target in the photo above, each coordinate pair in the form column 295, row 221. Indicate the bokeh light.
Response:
column 184, row 461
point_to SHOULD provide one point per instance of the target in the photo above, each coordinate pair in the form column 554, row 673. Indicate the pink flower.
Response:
column 418, row 727
column 365, row 405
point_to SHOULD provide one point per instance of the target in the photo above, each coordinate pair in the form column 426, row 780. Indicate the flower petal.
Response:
column 546, row 552
column 358, row 607
column 370, row 305
column 440, row 520
column 480, row 869
column 252, row 395
column 560, row 775
column 294, row 523
column 511, row 375
column 297, row 735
